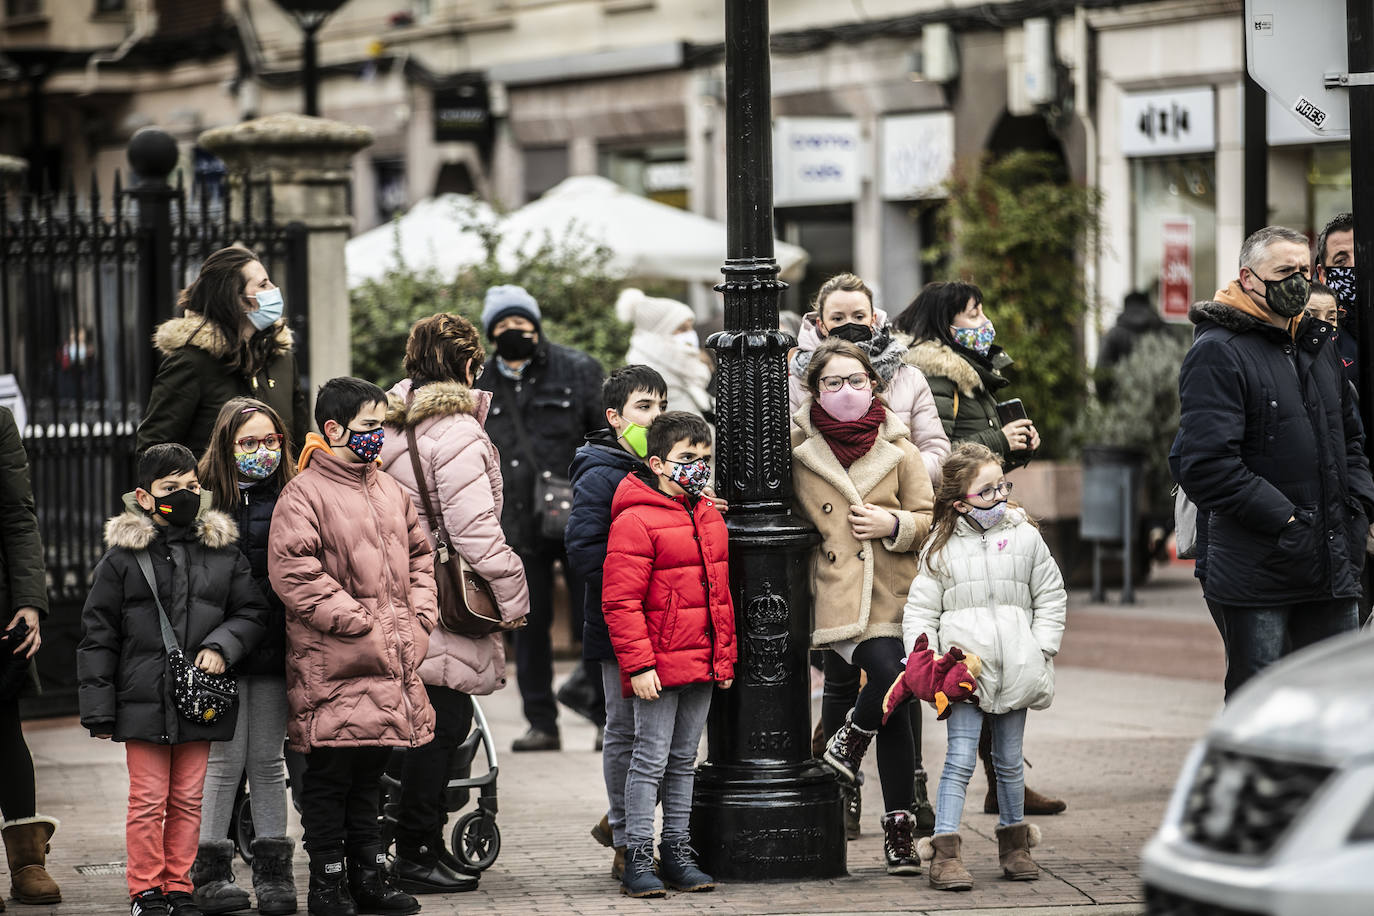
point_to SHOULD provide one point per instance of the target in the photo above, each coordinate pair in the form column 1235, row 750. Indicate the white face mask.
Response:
column 689, row 338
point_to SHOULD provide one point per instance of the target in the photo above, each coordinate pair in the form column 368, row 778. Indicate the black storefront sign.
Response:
column 463, row 114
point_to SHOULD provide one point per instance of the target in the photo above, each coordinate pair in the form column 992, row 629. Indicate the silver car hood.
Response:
column 1315, row 705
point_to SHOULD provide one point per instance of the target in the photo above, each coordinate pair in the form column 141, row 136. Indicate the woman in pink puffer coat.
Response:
column 461, row 470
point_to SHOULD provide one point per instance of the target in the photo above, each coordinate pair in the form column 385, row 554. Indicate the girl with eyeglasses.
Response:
column 862, row 483
column 249, row 458
column 987, row 584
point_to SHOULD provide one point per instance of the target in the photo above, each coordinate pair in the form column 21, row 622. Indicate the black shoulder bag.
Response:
column 553, row 495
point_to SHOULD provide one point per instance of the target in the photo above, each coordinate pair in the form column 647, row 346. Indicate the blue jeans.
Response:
column 616, row 746
column 663, row 762
column 1256, row 637
column 965, row 726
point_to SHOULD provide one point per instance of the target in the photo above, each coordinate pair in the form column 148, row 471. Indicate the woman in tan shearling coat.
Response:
column 862, row 483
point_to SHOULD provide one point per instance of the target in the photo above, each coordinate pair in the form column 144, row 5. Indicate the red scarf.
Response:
column 852, row 440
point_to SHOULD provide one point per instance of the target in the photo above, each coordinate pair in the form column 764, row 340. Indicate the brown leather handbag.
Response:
column 467, row 606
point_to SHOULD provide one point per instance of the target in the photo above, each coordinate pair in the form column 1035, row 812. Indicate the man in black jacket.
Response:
column 1271, row 449
column 545, row 399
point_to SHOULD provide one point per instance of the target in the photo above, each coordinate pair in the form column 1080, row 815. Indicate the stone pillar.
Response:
column 309, row 163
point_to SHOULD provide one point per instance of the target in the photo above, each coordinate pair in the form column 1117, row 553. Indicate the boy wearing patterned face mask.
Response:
column 355, row 571
column 666, row 599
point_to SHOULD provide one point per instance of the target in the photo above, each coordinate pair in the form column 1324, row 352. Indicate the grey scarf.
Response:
column 884, row 352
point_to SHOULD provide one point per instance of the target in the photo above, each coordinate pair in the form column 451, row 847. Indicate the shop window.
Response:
column 544, row 168
column 659, row 172
column 391, row 186
column 827, row 234
column 15, row 9
column 110, row 6
column 1174, row 204
column 1329, row 180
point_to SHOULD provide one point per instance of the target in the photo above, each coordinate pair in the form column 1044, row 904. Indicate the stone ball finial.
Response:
column 153, row 153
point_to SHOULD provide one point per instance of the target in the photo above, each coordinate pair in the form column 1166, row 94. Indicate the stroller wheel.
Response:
column 476, row 840
column 241, row 829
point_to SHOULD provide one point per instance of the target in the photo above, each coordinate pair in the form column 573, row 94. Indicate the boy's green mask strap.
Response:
column 637, row 438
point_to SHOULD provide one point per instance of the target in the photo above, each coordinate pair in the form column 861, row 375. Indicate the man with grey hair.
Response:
column 1271, row 450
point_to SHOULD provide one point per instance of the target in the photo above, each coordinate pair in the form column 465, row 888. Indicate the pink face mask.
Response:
column 846, row 405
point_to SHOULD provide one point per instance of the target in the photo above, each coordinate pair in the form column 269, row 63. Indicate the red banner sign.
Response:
column 1176, row 267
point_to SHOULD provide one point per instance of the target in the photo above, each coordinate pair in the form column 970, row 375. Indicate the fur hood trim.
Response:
column 135, row 531
column 438, row 399
column 1223, row 315
column 936, row 360
column 190, row 330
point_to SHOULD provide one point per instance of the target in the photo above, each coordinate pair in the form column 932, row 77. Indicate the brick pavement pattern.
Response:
column 1136, row 687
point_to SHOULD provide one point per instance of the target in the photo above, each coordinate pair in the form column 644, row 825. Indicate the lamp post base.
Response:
column 769, row 823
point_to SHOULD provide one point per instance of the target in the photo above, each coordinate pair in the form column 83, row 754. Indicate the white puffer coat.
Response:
column 999, row 595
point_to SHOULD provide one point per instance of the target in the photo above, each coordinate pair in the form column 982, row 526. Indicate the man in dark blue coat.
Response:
column 1271, row 449
column 631, row 398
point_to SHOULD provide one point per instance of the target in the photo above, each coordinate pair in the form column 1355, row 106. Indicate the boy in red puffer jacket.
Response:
column 666, row 598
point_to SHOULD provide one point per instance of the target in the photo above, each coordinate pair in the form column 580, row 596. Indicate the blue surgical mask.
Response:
column 269, row 309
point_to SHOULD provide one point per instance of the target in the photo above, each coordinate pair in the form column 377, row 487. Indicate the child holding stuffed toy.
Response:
column 988, row 586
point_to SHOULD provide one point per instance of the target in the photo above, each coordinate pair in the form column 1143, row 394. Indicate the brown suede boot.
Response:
column 1036, row 805
column 1013, row 851
column 618, row 863
column 947, row 872
column 26, row 847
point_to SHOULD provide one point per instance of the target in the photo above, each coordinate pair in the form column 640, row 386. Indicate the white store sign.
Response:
column 1168, row 123
column 918, row 154
column 815, row 161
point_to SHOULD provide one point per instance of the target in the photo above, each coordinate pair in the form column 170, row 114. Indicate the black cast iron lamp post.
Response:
column 310, row 16
column 764, row 807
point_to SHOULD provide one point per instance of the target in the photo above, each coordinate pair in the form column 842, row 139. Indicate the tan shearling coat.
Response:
column 860, row 587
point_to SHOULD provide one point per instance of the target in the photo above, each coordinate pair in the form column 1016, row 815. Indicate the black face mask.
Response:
column 512, row 344
column 1287, row 297
column 178, row 508
column 1341, row 280
column 854, row 333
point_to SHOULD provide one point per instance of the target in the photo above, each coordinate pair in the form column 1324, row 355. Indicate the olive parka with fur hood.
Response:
column 195, row 379
column 207, row 589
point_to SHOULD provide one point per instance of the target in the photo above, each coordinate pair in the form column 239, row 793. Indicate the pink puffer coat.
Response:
column 350, row 561
column 458, row 458
column 907, row 395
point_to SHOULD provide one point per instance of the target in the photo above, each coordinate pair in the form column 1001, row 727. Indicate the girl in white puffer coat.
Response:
column 988, row 585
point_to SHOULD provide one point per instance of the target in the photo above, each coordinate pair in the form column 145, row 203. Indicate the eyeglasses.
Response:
column 858, row 381
column 992, row 491
column 252, row 443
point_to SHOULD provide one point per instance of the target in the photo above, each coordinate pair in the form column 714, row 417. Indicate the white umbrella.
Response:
column 646, row 238
column 431, row 236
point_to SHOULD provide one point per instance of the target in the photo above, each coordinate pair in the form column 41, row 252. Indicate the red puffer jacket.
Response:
column 666, row 588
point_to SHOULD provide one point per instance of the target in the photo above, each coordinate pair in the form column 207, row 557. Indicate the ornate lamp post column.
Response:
column 310, row 16
column 764, row 808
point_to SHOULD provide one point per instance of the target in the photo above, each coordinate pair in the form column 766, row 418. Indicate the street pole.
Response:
column 309, row 64
column 1256, row 207
column 764, row 807
column 1359, row 30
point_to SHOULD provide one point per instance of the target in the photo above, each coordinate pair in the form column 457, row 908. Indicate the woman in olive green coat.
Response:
column 230, row 341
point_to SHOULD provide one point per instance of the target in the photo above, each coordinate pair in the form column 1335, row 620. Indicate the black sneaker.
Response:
column 899, row 843
column 149, row 903
column 183, row 904
column 536, row 740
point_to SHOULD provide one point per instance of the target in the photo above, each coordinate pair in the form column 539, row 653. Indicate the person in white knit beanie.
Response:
column 665, row 340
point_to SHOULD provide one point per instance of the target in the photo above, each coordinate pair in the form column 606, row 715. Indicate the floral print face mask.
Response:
column 978, row 339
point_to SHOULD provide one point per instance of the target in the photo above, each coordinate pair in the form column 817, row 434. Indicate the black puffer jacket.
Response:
column 1269, row 431
column 207, row 589
column 254, row 519
column 597, row 471
column 559, row 400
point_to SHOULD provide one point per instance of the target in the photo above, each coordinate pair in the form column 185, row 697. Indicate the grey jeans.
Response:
column 616, row 746
column 663, row 762
column 256, row 747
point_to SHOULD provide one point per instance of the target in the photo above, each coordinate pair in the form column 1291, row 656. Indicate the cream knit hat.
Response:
column 651, row 315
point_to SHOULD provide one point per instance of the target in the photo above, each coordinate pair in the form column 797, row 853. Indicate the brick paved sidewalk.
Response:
column 1111, row 745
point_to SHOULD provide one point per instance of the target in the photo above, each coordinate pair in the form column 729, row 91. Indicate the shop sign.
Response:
column 1176, row 267
column 815, row 161
column 1168, row 123
column 667, row 176
column 918, row 153
column 462, row 114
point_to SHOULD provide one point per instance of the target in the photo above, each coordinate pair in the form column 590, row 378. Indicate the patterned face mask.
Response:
column 987, row 518
column 693, row 476
column 258, row 465
column 978, row 339
column 1341, row 280
column 366, row 445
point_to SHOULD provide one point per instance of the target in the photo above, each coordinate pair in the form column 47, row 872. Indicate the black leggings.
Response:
column 881, row 660
column 842, row 689
column 426, row 771
column 16, row 765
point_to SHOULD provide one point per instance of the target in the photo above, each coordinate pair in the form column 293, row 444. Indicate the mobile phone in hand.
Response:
column 1010, row 411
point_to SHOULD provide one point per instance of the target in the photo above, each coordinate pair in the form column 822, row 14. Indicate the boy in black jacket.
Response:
column 217, row 614
column 631, row 398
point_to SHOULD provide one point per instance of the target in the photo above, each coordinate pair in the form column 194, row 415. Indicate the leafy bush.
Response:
column 569, row 277
column 1020, row 233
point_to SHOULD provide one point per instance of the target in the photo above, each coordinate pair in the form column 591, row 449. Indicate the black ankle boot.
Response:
column 371, row 886
column 846, row 748
column 329, row 894
column 418, row 869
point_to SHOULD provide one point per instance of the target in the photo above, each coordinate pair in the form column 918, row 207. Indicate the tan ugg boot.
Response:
column 26, row 847
column 1014, row 844
column 943, row 851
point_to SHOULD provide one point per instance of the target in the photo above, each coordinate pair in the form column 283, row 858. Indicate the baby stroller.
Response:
column 475, row 839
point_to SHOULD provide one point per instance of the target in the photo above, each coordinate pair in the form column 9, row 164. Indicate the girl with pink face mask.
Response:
column 865, row 487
